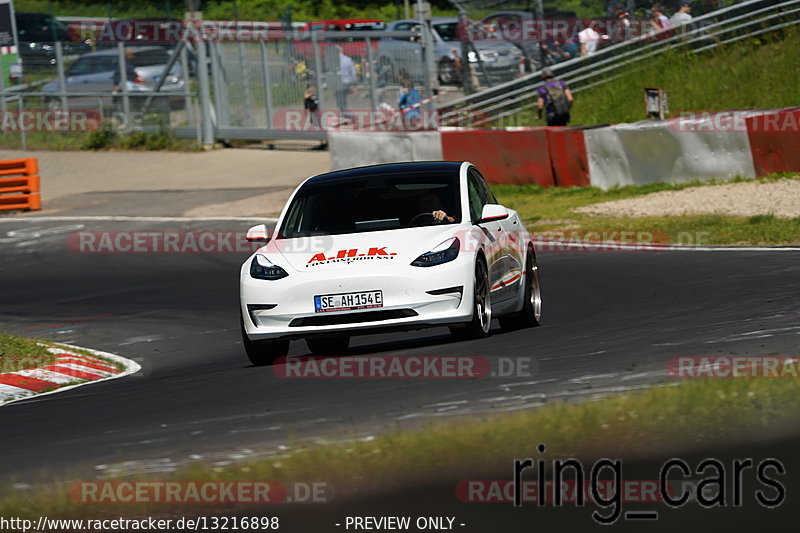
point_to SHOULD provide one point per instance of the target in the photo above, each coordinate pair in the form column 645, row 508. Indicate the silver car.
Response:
column 493, row 61
column 98, row 72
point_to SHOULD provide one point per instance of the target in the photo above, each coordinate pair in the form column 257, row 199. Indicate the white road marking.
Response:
column 86, row 369
column 10, row 392
column 115, row 218
column 611, row 246
column 47, row 375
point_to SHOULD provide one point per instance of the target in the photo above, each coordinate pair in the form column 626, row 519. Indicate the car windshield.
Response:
column 447, row 31
column 372, row 203
column 150, row 57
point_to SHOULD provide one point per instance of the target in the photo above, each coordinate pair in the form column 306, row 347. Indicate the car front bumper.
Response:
column 285, row 308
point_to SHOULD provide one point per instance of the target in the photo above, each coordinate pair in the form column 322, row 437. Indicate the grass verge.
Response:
column 656, row 420
column 552, row 209
column 17, row 353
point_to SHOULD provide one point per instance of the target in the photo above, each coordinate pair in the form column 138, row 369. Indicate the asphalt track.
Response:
column 611, row 320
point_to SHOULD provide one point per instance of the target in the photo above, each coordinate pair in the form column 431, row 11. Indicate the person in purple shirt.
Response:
column 554, row 99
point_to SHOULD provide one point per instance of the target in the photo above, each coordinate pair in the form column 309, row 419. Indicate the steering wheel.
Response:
column 425, row 214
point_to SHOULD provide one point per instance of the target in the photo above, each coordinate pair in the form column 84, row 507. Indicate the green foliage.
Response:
column 101, row 139
column 552, row 209
column 754, row 74
column 301, row 10
column 17, row 353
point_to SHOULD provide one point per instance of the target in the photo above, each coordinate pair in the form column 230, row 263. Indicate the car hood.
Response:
column 358, row 251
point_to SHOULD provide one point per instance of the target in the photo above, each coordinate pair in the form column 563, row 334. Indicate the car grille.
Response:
column 351, row 318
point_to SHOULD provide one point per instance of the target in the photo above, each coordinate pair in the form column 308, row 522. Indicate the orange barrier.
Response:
column 568, row 157
column 19, row 184
column 510, row 157
column 775, row 141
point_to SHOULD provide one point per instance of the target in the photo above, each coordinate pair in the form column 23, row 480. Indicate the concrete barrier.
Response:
column 719, row 145
column 517, row 157
column 568, row 157
column 655, row 151
column 775, row 141
column 359, row 148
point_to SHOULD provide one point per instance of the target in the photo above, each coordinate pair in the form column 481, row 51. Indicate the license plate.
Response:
column 348, row 301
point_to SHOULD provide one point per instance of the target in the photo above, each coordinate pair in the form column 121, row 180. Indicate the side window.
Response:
column 477, row 196
column 104, row 64
column 81, row 66
column 488, row 194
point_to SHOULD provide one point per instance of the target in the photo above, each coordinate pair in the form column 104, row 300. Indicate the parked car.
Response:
column 515, row 19
column 355, row 47
column 96, row 72
column 496, row 60
column 37, row 34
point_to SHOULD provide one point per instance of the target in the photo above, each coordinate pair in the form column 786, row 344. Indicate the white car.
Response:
column 395, row 246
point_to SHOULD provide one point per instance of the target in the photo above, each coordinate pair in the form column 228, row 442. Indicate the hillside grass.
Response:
column 757, row 73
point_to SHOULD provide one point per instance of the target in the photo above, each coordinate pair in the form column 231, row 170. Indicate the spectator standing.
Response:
column 311, row 105
column 130, row 70
column 682, row 16
column 659, row 22
column 589, row 38
column 409, row 98
column 554, row 99
column 347, row 78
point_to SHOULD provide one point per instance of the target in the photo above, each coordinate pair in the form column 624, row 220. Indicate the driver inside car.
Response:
column 430, row 203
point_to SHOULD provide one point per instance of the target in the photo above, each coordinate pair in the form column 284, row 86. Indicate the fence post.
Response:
column 187, row 101
column 267, row 83
column 2, row 93
column 62, row 80
column 205, row 93
column 123, row 84
column 318, row 73
column 245, row 82
column 373, row 98
column 23, row 139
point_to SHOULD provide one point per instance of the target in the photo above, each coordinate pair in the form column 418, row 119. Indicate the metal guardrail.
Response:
column 721, row 27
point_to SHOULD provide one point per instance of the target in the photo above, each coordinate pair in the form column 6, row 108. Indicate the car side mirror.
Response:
column 257, row 234
column 492, row 213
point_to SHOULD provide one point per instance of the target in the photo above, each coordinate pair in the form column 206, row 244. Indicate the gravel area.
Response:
column 780, row 198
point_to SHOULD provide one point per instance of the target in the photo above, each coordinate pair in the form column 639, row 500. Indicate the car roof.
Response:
column 114, row 51
column 388, row 168
column 342, row 21
column 434, row 20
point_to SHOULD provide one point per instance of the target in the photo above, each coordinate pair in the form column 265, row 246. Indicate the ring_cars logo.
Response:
column 351, row 255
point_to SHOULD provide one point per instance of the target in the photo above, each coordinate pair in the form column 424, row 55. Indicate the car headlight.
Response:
column 444, row 253
column 262, row 268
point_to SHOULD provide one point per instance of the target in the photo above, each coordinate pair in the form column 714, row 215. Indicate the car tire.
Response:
column 531, row 313
column 481, row 322
column 328, row 345
column 262, row 353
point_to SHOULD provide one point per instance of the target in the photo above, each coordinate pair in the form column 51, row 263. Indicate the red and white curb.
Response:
column 70, row 370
